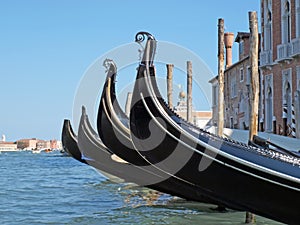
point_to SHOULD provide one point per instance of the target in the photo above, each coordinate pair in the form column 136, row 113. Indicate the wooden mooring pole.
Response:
column 254, row 90
column 170, row 84
column 189, row 92
column 221, row 45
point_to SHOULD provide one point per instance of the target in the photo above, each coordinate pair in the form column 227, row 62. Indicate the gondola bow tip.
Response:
column 141, row 36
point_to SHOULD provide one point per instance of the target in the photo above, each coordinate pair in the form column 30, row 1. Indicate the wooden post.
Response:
column 189, row 92
column 254, row 90
column 220, row 122
column 170, row 84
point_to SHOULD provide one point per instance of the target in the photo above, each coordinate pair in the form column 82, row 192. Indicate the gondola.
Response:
column 116, row 136
column 99, row 157
column 242, row 176
column 69, row 141
column 71, row 145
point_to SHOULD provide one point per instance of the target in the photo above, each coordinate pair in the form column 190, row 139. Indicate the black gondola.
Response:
column 98, row 156
column 116, row 136
column 69, row 141
column 248, row 178
column 71, row 144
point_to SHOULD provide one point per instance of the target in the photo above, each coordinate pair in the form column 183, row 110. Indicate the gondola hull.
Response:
column 69, row 141
column 98, row 156
column 234, row 173
column 116, row 136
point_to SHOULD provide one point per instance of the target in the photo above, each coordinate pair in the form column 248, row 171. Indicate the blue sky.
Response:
column 47, row 45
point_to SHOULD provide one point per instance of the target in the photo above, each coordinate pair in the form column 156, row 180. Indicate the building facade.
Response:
column 280, row 65
column 37, row 144
column 236, row 84
column 27, row 144
column 8, row 146
column 279, row 69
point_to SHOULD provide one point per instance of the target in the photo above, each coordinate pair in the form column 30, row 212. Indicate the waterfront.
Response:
column 48, row 188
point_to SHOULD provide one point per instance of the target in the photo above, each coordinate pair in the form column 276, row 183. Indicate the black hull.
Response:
column 116, row 137
column 239, row 176
column 99, row 157
column 69, row 141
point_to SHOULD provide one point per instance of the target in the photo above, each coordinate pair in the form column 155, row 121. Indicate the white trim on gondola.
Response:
column 244, row 162
column 252, row 165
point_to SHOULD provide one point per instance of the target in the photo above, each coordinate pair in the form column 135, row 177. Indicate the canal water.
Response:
column 48, row 188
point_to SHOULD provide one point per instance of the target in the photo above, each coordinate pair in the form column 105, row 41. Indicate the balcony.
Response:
column 295, row 47
column 284, row 52
column 266, row 58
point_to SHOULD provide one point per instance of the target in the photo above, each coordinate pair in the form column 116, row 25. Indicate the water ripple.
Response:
column 49, row 189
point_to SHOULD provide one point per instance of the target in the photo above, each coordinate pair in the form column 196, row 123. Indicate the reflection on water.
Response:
column 48, row 189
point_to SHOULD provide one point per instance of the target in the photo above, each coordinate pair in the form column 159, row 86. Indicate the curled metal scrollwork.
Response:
column 148, row 50
column 141, row 36
column 107, row 64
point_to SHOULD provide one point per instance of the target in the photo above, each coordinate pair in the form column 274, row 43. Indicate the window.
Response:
column 233, row 86
column 215, row 95
column 241, row 74
column 248, row 75
column 241, row 47
column 231, row 123
column 269, row 109
column 298, row 77
column 298, row 18
column 286, row 21
column 287, row 91
column 267, row 25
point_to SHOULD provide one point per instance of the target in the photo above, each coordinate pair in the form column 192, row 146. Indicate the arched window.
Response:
column 286, row 21
column 268, row 25
column 288, row 100
column 297, row 18
column 269, row 109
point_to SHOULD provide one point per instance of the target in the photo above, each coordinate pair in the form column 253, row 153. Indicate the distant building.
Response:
column 8, row 146
column 59, row 145
column 42, row 144
column 37, row 144
column 55, row 144
column 200, row 118
column 27, row 144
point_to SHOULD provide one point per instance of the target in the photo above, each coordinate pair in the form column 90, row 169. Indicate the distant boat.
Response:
column 238, row 175
column 36, row 151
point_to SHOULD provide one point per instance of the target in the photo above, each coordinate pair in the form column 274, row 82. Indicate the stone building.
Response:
column 27, row 144
column 236, row 84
